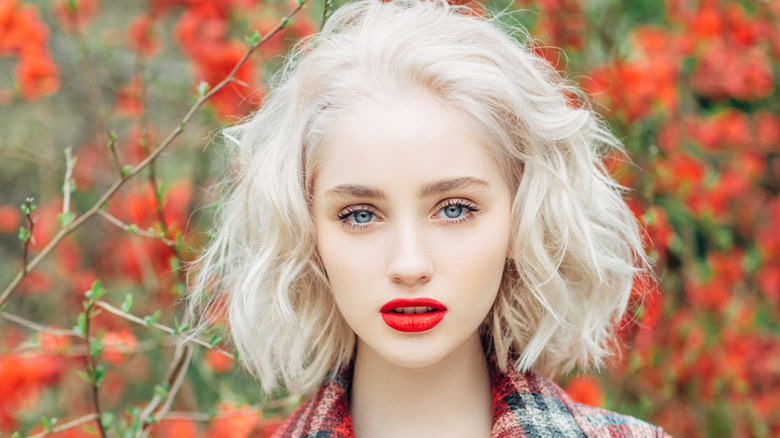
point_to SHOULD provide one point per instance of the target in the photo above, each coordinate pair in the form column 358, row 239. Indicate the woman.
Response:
column 420, row 217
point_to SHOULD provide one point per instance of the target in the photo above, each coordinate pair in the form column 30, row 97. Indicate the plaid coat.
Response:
column 525, row 405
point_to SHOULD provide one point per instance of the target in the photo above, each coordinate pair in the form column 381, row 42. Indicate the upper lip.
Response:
column 412, row 302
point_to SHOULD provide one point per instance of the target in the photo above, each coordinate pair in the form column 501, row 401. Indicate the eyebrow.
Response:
column 355, row 191
column 448, row 185
column 434, row 188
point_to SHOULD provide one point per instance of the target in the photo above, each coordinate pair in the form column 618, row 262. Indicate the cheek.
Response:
column 349, row 264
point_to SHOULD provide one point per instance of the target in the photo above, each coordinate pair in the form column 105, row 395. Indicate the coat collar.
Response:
column 524, row 405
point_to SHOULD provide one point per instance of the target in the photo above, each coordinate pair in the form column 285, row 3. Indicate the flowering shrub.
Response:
column 92, row 334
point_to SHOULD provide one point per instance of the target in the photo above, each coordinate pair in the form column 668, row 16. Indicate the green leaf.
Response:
column 286, row 21
column 91, row 430
column 126, row 169
column 100, row 372
column 215, row 340
column 46, row 424
column 84, row 375
column 203, row 88
column 65, row 218
column 24, row 234
column 97, row 290
column 95, row 348
column 133, row 228
column 162, row 390
column 107, row 420
column 128, row 303
column 253, row 39
column 149, row 320
column 81, row 324
column 16, row 435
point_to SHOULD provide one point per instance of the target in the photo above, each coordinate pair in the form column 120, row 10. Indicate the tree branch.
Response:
column 77, row 222
column 69, row 425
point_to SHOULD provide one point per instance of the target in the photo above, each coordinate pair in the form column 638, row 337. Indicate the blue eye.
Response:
column 359, row 216
column 456, row 210
column 453, row 211
column 363, row 217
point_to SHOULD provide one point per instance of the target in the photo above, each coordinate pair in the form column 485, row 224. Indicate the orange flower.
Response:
column 10, row 219
column 585, row 389
column 142, row 38
column 75, row 16
column 218, row 362
column 37, row 74
column 52, row 343
column 116, row 346
column 22, row 380
column 20, row 27
column 233, row 422
column 128, row 99
column 175, row 428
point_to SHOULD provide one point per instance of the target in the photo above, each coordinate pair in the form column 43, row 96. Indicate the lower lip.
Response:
column 413, row 322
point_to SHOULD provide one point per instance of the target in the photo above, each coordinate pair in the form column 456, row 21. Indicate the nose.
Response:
column 409, row 264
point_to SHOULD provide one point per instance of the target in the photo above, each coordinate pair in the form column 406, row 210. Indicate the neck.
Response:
column 451, row 398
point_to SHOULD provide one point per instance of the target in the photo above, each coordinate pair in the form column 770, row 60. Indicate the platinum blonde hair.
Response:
column 576, row 247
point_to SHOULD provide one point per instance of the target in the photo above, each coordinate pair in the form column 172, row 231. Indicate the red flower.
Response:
column 22, row 380
column 37, row 74
column 218, row 362
column 175, row 428
column 129, row 99
column 116, row 346
column 10, row 219
column 232, row 422
column 20, row 27
column 75, row 16
column 142, row 37
column 52, row 343
column 585, row 389
column 767, row 128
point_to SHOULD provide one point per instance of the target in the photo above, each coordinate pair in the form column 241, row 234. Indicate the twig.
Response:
column 26, row 234
column 178, row 380
column 325, row 12
column 92, row 371
column 179, row 367
column 69, row 425
column 133, row 229
column 114, row 156
column 187, row 339
column 79, row 351
column 204, row 417
column 145, row 162
column 37, row 327
column 67, row 185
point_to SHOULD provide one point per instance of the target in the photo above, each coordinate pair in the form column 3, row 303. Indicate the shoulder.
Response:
column 598, row 422
column 323, row 415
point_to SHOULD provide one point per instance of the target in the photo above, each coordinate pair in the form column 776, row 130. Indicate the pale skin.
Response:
column 408, row 204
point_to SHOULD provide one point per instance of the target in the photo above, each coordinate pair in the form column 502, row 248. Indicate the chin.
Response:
column 408, row 353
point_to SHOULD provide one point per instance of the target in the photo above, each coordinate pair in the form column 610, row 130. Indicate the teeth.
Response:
column 411, row 310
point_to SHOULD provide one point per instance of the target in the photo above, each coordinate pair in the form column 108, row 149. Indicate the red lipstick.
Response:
column 413, row 315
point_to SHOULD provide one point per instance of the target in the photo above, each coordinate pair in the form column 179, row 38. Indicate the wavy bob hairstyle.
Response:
column 576, row 247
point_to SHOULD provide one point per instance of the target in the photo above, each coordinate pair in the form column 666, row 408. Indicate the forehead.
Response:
column 400, row 139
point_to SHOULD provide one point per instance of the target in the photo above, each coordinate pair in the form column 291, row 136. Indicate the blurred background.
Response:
column 93, row 189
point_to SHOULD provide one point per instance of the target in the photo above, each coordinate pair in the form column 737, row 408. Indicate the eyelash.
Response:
column 472, row 211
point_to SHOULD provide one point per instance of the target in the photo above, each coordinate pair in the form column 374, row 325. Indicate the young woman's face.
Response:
column 413, row 224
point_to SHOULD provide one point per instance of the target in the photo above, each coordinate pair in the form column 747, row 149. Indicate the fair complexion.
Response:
column 408, row 205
